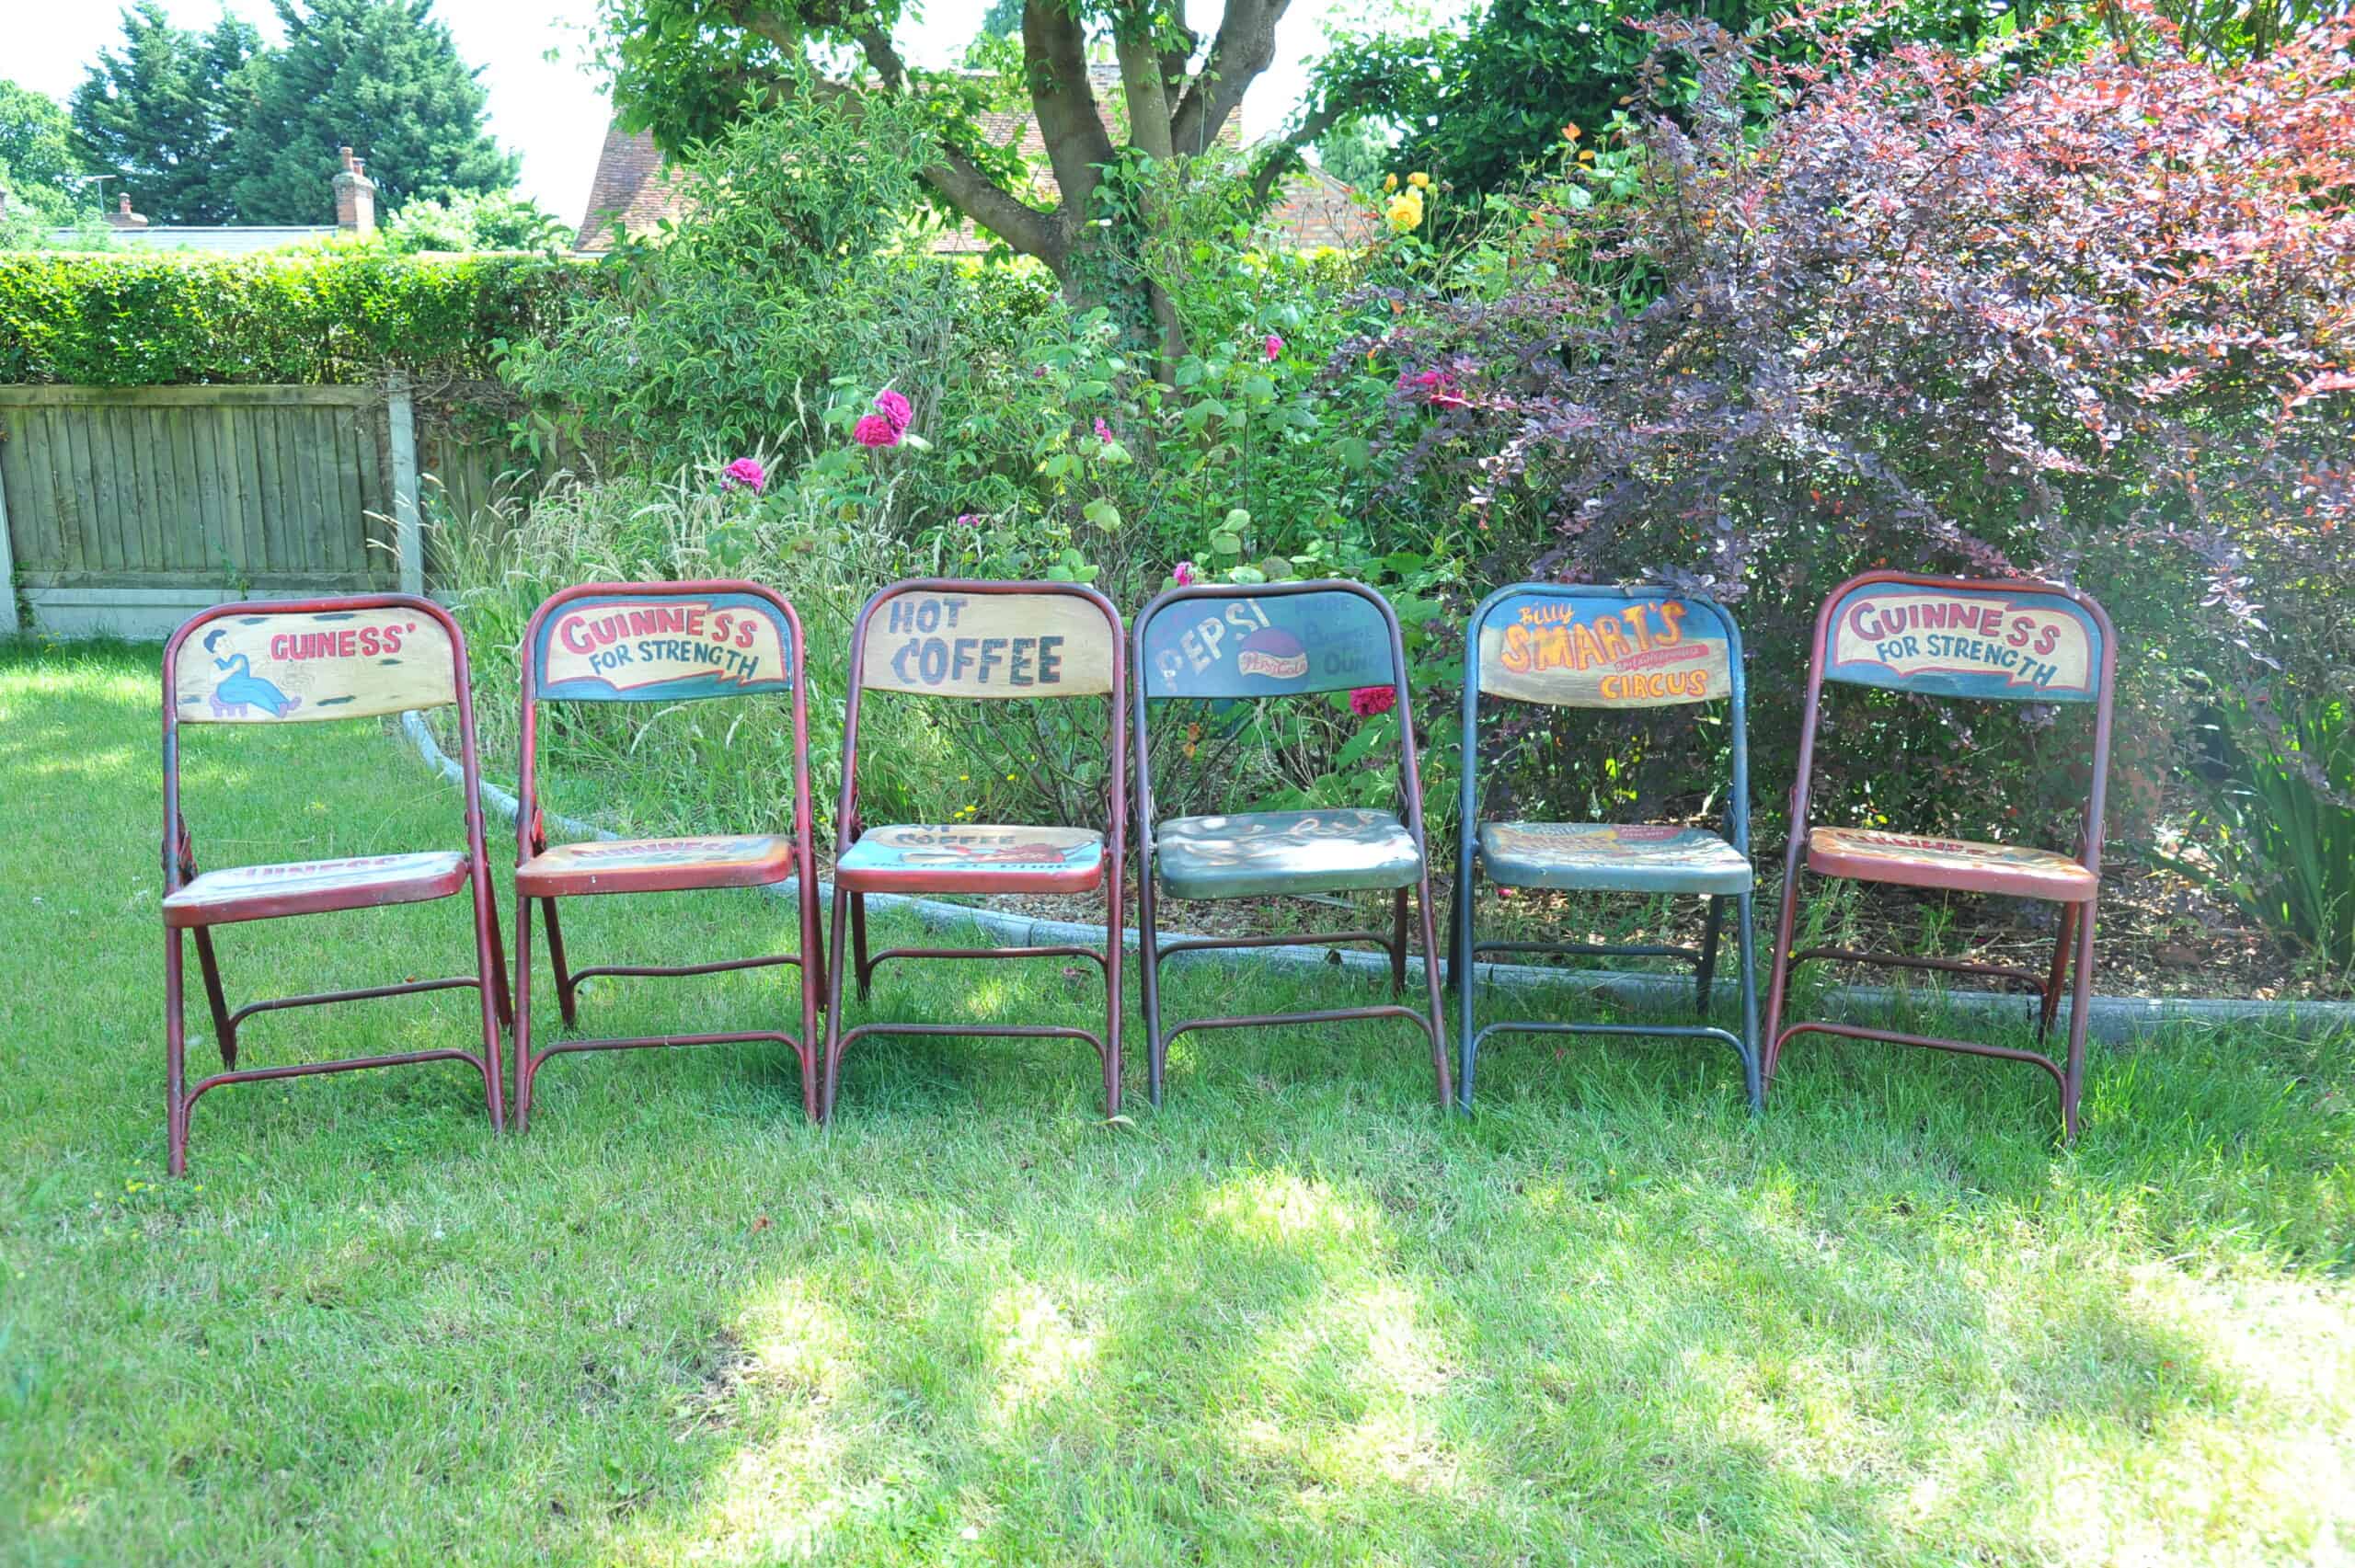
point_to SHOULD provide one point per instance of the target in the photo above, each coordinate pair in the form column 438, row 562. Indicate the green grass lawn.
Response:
column 1296, row 1316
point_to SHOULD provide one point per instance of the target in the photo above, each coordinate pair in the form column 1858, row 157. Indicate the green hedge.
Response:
column 311, row 316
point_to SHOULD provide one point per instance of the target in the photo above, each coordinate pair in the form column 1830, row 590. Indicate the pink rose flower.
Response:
column 967, row 520
column 1184, row 575
column 874, row 430
column 1367, row 702
column 1103, row 430
column 1275, row 346
column 745, row 473
column 894, row 407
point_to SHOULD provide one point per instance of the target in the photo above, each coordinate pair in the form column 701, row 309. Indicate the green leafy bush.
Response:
column 324, row 314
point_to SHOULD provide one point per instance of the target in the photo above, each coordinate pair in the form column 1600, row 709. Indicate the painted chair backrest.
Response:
column 1581, row 645
column 1952, row 638
column 298, row 663
column 989, row 640
column 1613, row 645
column 661, row 643
column 1284, row 639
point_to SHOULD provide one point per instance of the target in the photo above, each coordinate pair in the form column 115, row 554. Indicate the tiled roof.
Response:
column 635, row 186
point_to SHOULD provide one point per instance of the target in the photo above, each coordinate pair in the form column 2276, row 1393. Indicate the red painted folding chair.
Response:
column 298, row 662
column 990, row 641
column 672, row 642
column 1992, row 641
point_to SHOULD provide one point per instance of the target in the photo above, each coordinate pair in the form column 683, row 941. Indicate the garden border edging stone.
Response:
column 2114, row 1018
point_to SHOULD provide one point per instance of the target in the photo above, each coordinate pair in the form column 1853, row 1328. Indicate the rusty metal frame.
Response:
column 2077, row 924
column 1151, row 949
column 489, row 980
column 850, row 907
column 531, row 838
column 1465, row 947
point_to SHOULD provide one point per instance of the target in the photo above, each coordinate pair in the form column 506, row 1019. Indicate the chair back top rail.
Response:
column 2001, row 641
column 1265, row 640
column 299, row 661
column 665, row 641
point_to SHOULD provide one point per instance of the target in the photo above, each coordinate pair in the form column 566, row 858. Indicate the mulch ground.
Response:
column 2160, row 934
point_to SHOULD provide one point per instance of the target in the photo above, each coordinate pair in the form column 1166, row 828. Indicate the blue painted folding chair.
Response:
column 1218, row 643
column 1592, row 646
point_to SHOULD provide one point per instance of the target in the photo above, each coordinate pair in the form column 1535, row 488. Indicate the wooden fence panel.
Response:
column 125, row 507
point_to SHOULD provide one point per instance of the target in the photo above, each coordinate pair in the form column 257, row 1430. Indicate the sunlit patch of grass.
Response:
column 1296, row 1316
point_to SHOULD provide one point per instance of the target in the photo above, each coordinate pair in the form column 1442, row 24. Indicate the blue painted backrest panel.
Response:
column 662, row 649
column 2022, row 644
column 1283, row 645
column 1583, row 649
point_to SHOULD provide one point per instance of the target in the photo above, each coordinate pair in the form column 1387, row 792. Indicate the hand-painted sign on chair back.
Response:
column 2024, row 642
column 1642, row 647
column 1256, row 644
column 661, row 644
column 960, row 643
column 300, row 665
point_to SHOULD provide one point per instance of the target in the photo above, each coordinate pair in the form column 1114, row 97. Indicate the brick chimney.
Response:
column 124, row 217
column 355, row 196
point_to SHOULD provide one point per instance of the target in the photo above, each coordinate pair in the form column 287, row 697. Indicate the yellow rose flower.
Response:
column 1419, row 180
column 1390, row 182
column 1406, row 212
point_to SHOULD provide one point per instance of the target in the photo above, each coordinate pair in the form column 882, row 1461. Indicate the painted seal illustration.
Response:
column 241, row 689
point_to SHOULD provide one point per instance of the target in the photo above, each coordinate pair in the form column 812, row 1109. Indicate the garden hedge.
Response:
column 325, row 315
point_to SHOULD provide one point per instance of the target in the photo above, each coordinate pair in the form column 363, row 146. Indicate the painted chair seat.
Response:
column 1866, row 855
column 1285, row 852
column 315, row 887
column 1611, row 856
column 972, row 857
column 656, row 865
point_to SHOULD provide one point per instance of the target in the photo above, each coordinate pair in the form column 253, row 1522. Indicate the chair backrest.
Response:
column 1989, row 639
column 991, row 641
column 659, row 642
column 1618, row 645
column 1271, row 640
column 303, row 661
column 1954, row 637
column 1230, row 641
column 297, row 663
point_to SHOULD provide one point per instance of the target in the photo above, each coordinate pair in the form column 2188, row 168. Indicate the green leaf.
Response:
column 1238, row 521
column 1355, row 452
column 1102, row 513
column 1226, row 544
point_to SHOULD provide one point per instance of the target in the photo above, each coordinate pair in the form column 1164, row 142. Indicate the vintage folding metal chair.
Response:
column 1220, row 641
column 671, row 642
column 1995, row 641
column 989, row 641
column 301, row 661
column 1592, row 646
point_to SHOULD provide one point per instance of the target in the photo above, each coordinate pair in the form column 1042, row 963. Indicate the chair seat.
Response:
column 1285, row 852
column 315, row 887
column 1864, row 855
column 1632, row 857
column 656, row 865
column 972, row 857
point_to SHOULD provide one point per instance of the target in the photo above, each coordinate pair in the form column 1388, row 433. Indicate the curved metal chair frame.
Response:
column 342, row 641
column 1430, row 1019
column 743, row 639
column 1465, row 947
column 1981, row 674
column 985, row 663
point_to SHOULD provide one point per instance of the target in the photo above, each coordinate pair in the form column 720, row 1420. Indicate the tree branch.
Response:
column 1245, row 47
column 1054, row 62
column 1284, row 155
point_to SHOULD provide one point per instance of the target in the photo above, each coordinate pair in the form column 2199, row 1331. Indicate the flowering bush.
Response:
column 2093, row 325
